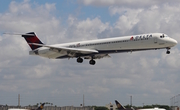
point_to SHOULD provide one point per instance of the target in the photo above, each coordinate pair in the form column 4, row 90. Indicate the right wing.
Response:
column 74, row 52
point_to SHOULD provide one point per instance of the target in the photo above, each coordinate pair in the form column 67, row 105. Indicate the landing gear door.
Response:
column 155, row 40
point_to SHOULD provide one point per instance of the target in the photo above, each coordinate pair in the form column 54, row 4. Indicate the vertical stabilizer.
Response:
column 41, row 106
column 32, row 38
column 119, row 106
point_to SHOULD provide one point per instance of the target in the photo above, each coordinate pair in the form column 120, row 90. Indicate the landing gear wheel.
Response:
column 168, row 52
column 92, row 62
column 79, row 60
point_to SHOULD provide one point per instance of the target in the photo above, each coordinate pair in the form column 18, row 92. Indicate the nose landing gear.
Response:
column 168, row 52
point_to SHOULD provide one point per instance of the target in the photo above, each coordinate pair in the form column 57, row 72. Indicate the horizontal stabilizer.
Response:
column 19, row 34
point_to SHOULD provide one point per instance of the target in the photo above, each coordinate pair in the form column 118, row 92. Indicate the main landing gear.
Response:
column 91, row 62
column 168, row 52
column 79, row 60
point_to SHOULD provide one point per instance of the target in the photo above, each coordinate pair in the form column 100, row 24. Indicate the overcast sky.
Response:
column 150, row 77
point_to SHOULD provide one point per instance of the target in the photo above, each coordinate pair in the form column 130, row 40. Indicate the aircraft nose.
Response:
column 174, row 42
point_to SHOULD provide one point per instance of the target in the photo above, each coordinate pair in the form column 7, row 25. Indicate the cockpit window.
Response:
column 163, row 35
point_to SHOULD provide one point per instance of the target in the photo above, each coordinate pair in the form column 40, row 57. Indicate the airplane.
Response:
column 96, row 49
column 121, row 107
column 39, row 108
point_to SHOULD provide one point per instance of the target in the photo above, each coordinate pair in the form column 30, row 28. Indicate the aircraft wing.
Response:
column 67, row 50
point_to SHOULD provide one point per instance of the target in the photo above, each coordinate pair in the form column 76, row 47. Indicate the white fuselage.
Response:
column 110, row 45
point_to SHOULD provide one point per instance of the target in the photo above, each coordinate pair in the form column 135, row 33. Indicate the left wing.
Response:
column 66, row 49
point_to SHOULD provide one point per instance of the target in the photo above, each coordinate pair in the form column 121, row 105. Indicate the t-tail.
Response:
column 119, row 106
column 41, row 106
column 32, row 38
